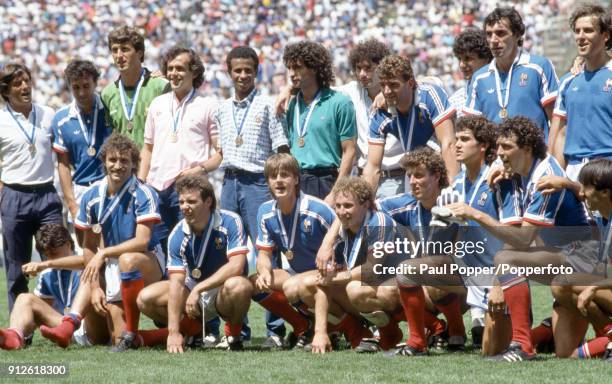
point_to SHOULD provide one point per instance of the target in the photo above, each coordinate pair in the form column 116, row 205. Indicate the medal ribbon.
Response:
column 130, row 110
column 246, row 114
column 481, row 178
column 105, row 212
column 288, row 243
column 529, row 181
column 504, row 104
column 32, row 135
column 68, row 298
column 204, row 243
column 180, row 111
column 352, row 258
column 91, row 138
column 297, row 120
column 406, row 144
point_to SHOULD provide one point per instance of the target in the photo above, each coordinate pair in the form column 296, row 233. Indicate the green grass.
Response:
column 94, row 365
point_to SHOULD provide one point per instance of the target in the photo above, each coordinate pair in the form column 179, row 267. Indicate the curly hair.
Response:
column 430, row 159
column 395, row 66
column 196, row 66
column 484, row 131
column 597, row 173
column 314, row 56
column 528, row 135
column 51, row 236
column 127, row 35
column 118, row 143
column 472, row 41
column 602, row 19
column 370, row 50
column 8, row 73
column 197, row 183
column 242, row 52
column 356, row 186
column 516, row 21
column 78, row 69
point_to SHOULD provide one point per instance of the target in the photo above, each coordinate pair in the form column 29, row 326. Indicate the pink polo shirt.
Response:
column 196, row 129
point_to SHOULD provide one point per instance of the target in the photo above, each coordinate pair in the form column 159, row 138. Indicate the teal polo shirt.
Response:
column 332, row 122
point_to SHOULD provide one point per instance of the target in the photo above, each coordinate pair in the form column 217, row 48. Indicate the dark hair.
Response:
column 603, row 19
column 51, row 236
column 371, row 50
column 597, row 173
column 121, row 144
column 430, row 159
column 242, row 52
column 484, row 131
column 528, row 135
column 8, row 73
column 197, row 183
column 196, row 66
column 516, row 21
column 472, row 41
column 127, row 35
column 395, row 66
column 314, row 56
column 78, row 69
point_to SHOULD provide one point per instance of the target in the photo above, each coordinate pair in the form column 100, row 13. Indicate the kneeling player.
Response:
column 295, row 224
column 58, row 282
column 590, row 300
column 117, row 217
column 207, row 260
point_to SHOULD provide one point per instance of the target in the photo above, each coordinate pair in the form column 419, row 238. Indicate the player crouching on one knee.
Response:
column 117, row 216
column 58, row 281
column 587, row 298
column 206, row 267
column 361, row 228
column 292, row 223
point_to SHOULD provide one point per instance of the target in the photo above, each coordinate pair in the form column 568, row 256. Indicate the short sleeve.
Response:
column 236, row 237
column 264, row 241
column 147, row 205
column 58, row 138
column 346, row 122
column 175, row 243
column 379, row 127
column 542, row 209
column 550, row 83
column 508, row 202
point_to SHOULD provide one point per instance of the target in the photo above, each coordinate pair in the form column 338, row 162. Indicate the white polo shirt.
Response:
column 19, row 164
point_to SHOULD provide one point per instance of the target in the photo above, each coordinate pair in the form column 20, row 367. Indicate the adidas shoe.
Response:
column 513, row 354
column 456, row 343
column 369, row 345
column 234, row 343
column 127, row 341
column 405, row 350
column 273, row 342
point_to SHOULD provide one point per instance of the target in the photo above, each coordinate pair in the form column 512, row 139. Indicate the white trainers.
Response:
column 272, row 342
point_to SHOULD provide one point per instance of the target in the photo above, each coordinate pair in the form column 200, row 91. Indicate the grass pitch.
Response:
column 97, row 365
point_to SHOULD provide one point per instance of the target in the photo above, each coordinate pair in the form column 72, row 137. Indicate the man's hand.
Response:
column 379, row 102
column 197, row 170
column 497, row 174
column 462, row 211
column 98, row 301
column 32, row 268
column 264, row 281
column 551, row 184
column 325, row 259
column 320, row 343
column 584, row 299
column 192, row 307
column 174, row 344
column 91, row 273
column 497, row 304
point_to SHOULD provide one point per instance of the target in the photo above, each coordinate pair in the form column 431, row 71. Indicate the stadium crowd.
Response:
column 510, row 176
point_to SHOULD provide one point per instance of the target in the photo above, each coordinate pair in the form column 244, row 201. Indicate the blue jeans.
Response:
column 243, row 193
column 170, row 214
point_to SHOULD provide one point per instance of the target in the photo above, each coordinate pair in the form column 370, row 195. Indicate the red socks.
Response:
column 131, row 285
column 11, row 338
column 413, row 302
column 518, row 300
column 352, row 329
column 390, row 335
column 593, row 348
column 277, row 303
column 62, row 334
column 450, row 306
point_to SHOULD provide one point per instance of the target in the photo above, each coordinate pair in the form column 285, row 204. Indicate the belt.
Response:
column 323, row 171
column 30, row 188
column 235, row 172
column 386, row 173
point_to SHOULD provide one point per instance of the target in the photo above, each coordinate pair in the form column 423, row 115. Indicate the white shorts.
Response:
column 112, row 275
column 478, row 296
column 80, row 336
column 573, row 170
column 79, row 191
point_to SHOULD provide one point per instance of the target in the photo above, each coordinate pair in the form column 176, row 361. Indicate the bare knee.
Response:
column 291, row 289
column 357, row 293
column 25, row 300
column 238, row 286
column 130, row 261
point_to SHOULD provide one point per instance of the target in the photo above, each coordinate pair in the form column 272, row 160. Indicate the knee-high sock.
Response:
column 413, row 302
column 450, row 306
column 277, row 303
column 62, row 334
column 131, row 285
column 352, row 329
column 518, row 300
column 11, row 338
column 593, row 348
column 541, row 334
column 390, row 335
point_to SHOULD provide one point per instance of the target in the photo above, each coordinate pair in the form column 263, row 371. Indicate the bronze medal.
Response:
column 239, row 141
column 97, row 229
column 173, row 137
column 196, row 273
column 130, row 126
column 32, row 149
column 289, row 254
column 91, row 151
column 503, row 113
column 301, row 142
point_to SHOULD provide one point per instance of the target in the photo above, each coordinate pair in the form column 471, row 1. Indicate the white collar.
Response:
column 74, row 111
column 216, row 223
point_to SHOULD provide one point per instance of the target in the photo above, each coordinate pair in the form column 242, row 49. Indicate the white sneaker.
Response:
column 273, row 342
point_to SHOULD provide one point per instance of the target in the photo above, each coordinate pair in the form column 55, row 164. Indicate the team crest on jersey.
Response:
column 307, row 226
column 608, row 86
column 523, row 80
column 421, row 117
column 218, row 242
column 483, row 199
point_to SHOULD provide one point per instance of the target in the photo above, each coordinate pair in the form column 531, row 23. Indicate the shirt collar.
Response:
column 246, row 101
column 523, row 59
column 74, row 111
column 216, row 223
column 147, row 75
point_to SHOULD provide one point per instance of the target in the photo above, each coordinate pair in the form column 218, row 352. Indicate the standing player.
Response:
column 589, row 299
column 207, row 258
column 515, row 82
column 293, row 223
column 118, row 216
column 28, row 195
column 471, row 49
column 581, row 127
column 127, row 99
column 418, row 111
column 321, row 122
column 522, row 149
column 249, row 132
column 180, row 134
column 79, row 130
